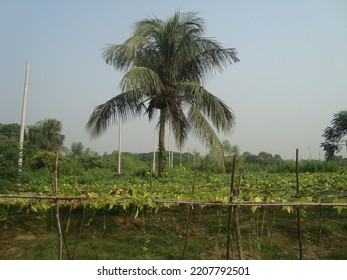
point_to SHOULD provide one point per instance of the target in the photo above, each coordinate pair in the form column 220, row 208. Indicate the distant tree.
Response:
column 46, row 135
column 9, row 131
column 226, row 147
column 335, row 135
column 250, row 158
column 77, row 150
column 277, row 158
column 166, row 63
column 265, row 158
column 230, row 151
column 9, row 136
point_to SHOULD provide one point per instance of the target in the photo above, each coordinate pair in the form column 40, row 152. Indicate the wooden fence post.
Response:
column 230, row 208
column 298, row 208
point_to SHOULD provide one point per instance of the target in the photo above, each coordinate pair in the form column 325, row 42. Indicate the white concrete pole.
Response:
column 22, row 128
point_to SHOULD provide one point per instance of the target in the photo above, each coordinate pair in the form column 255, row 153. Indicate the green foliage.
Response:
column 9, row 136
column 335, row 134
column 46, row 135
column 9, row 131
column 107, row 189
column 8, row 162
column 43, row 159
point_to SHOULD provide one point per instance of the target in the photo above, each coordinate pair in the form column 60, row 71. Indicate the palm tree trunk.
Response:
column 161, row 156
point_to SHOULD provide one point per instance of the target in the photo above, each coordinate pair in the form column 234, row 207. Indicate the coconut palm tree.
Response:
column 46, row 135
column 165, row 64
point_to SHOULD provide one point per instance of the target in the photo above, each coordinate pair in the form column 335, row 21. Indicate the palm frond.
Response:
column 203, row 130
column 208, row 58
column 179, row 125
column 215, row 109
column 142, row 81
column 124, row 56
column 122, row 106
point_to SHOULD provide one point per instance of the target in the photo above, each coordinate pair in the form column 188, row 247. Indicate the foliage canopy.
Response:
column 335, row 134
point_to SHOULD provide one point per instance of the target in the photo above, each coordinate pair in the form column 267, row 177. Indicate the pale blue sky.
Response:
column 284, row 92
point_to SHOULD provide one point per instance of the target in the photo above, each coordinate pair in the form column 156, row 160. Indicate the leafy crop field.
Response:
column 142, row 217
column 182, row 185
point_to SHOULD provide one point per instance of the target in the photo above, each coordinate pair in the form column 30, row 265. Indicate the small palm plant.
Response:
column 165, row 64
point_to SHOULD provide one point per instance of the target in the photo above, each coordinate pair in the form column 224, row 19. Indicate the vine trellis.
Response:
column 176, row 202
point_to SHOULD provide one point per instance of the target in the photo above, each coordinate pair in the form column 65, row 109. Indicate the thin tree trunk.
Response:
column 56, row 170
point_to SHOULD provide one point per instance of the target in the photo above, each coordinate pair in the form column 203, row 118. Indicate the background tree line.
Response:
column 44, row 143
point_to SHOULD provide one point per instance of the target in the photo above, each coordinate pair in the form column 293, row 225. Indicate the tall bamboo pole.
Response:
column 22, row 128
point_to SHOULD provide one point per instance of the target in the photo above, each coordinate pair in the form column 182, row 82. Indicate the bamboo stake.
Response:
column 230, row 208
column 60, row 232
column 189, row 216
column 297, row 208
column 320, row 223
column 238, row 232
column 237, row 222
column 150, row 191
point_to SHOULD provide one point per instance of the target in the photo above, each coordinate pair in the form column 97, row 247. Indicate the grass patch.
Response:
column 117, row 234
